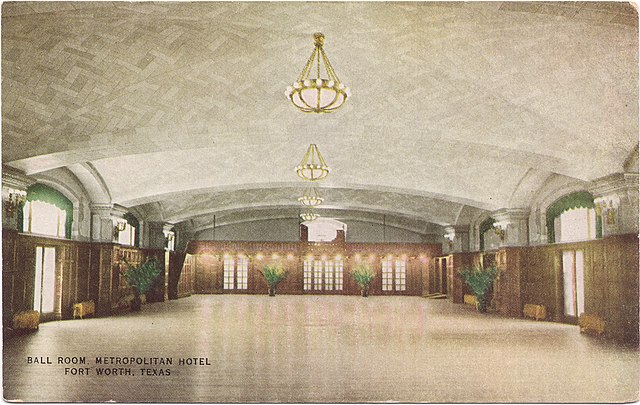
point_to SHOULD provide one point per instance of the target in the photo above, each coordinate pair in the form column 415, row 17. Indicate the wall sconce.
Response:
column 121, row 225
column 607, row 207
column 15, row 199
column 499, row 230
column 450, row 236
column 169, row 237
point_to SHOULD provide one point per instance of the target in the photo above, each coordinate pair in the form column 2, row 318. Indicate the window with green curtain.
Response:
column 484, row 227
column 41, row 192
column 580, row 199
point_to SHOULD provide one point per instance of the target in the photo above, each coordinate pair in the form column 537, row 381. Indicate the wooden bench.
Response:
column 26, row 320
column 533, row 311
column 591, row 324
column 83, row 309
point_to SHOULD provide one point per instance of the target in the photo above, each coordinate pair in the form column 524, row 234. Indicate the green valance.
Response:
column 580, row 199
column 484, row 227
column 40, row 192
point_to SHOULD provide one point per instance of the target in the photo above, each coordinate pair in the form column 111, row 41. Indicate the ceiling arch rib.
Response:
column 259, row 214
column 93, row 183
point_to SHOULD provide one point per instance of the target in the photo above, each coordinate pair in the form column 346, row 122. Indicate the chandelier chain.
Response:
column 327, row 65
column 307, row 68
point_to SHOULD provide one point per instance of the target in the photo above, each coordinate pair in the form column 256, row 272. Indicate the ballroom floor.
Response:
column 316, row 349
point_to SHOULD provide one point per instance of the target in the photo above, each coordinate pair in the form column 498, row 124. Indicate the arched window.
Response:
column 573, row 218
column 46, row 212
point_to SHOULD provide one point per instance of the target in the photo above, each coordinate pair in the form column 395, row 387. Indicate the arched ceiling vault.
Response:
column 176, row 110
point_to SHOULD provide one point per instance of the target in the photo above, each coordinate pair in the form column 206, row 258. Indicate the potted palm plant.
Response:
column 363, row 275
column 480, row 279
column 140, row 278
column 274, row 274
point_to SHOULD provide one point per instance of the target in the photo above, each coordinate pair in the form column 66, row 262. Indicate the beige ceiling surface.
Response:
column 178, row 108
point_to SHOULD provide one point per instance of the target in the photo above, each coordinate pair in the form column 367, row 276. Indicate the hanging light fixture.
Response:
column 311, row 197
column 318, row 95
column 309, row 215
column 312, row 167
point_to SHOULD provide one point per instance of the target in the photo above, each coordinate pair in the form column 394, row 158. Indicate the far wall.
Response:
column 287, row 230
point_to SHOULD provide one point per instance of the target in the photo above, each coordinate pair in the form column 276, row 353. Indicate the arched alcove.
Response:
column 580, row 199
column 42, row 193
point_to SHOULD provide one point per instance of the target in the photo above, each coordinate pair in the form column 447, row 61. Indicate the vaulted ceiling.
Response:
column 177, row 110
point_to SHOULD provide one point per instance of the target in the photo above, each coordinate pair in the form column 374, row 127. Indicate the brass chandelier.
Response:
column 309, row 215
column 318, row 95
column 311, row 197
column 312, row 167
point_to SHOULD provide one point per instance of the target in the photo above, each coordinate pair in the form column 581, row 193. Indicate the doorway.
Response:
column 44, row 296
column 573, row 283
column 443, row 277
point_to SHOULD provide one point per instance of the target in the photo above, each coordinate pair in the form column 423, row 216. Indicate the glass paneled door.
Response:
column 573, row 281
column 44, row 295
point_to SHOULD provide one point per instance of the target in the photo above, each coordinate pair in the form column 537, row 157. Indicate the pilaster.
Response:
column 456, row 238
column 155, row 238
column 512, row 225
column 616, row 199
column 101, row 222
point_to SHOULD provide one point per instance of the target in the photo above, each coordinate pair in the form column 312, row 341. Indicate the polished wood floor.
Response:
column 317, row 349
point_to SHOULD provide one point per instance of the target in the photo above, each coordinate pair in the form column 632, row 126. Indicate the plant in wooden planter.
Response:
column 140, row 278
column 480, row 280
column 363, row 274
column 274, row 274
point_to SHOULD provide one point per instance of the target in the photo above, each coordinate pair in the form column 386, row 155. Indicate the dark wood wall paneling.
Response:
column 533, row 275
column 87, row 271
column 610, row 282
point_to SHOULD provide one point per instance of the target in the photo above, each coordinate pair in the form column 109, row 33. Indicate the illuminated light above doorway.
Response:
column 318, row 95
